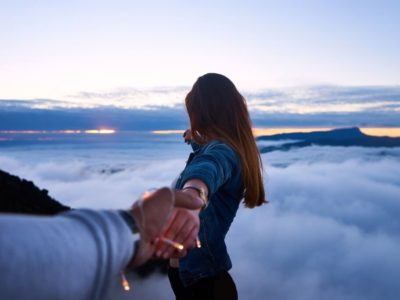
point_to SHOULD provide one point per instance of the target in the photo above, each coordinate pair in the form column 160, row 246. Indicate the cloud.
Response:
column 331, row 230
column 301, row 106
column 84, row 118
column 81, row 184
column 334, row 105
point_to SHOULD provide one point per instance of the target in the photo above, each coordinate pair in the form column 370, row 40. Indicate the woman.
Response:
column 224, row 168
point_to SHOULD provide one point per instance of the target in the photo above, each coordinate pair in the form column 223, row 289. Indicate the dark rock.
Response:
column 22, row 196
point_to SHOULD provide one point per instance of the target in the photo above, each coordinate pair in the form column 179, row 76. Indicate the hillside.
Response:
column 336, row 137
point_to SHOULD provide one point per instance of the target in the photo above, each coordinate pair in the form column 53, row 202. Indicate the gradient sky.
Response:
column 53, row 49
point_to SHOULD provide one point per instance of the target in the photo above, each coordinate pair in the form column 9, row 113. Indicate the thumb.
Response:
column 186, row 200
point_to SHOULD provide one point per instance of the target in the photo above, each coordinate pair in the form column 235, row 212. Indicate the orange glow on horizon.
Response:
column 100, row 131
column 24, row 131
column 381, row 131
column 67, row 131
column 272, row 131
column 71, row 131
column 168, row 131
column 374, row 131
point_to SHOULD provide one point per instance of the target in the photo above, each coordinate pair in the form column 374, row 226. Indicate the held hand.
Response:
column 153, row 213
column 183, row 228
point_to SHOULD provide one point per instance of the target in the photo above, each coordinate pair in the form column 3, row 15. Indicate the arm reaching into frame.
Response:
column 76, row 255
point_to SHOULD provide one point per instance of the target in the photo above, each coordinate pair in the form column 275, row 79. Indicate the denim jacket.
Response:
column 218, row 166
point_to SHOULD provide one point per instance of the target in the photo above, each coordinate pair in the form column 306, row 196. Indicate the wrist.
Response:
column 129, row 219
column 200, row 192
column 127, row 216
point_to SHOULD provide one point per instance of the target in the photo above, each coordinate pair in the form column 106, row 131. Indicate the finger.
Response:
column 190, row 240
column 166, row 245
column 185, row 200
column 183, row 232
column 172, row 237
column 160, row 245
column 174, row 228
column 185, row 235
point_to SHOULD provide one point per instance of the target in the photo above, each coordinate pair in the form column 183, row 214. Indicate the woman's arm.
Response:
column 202, row 177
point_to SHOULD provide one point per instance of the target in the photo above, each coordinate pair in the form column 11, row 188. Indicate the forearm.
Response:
column 71, row 256
column 197, row 189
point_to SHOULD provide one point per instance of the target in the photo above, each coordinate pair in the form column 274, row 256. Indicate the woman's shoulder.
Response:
column 219, row 147
column 217, row 144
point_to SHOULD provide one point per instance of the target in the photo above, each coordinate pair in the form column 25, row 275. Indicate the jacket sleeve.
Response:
column 214, row 166
column 70, row 256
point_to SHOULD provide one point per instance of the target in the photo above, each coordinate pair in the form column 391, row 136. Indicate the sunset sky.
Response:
column 64, row 49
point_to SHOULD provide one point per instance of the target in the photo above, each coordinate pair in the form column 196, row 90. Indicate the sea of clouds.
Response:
column 330, row 231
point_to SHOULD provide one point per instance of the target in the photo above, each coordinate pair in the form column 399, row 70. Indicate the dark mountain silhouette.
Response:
column 22, row 196
column 336, row 137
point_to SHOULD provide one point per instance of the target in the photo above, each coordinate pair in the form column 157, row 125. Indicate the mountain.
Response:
column 336, row 137
column 18, row 195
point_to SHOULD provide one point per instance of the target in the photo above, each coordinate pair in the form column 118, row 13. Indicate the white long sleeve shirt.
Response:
column 75, row 255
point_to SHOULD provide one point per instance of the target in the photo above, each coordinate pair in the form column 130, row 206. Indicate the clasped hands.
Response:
column 165, row 216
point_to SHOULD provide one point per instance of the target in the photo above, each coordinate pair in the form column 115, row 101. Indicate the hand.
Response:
column 152, row 215
column 187, row 135
column 183, row 228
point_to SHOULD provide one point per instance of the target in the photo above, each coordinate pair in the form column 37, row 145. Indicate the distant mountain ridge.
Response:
column 336, row 137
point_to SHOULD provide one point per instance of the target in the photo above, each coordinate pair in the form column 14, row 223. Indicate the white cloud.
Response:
column 331, row 230
column 293, row 100
column 325, row 99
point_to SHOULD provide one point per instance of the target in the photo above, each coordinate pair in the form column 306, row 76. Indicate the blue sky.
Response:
column 55, row 49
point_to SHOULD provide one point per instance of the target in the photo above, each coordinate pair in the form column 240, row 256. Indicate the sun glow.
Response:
column 100, row 131
column 373, row 131
column 388, row 132
column 168, row 131
column 272, row 131
column 67, row 131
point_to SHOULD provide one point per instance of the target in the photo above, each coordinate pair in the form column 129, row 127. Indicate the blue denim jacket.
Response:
column 218, row 166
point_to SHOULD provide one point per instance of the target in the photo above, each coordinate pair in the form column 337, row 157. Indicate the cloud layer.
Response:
column 160, row 108
column 331, row 230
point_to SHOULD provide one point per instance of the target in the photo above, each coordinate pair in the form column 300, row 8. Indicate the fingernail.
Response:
column 158, row 254
column 165, row 256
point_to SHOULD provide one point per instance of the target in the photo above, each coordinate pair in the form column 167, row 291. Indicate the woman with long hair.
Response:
column 224, row 168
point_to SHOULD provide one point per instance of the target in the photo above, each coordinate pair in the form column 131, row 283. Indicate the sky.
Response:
column 61, row 49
